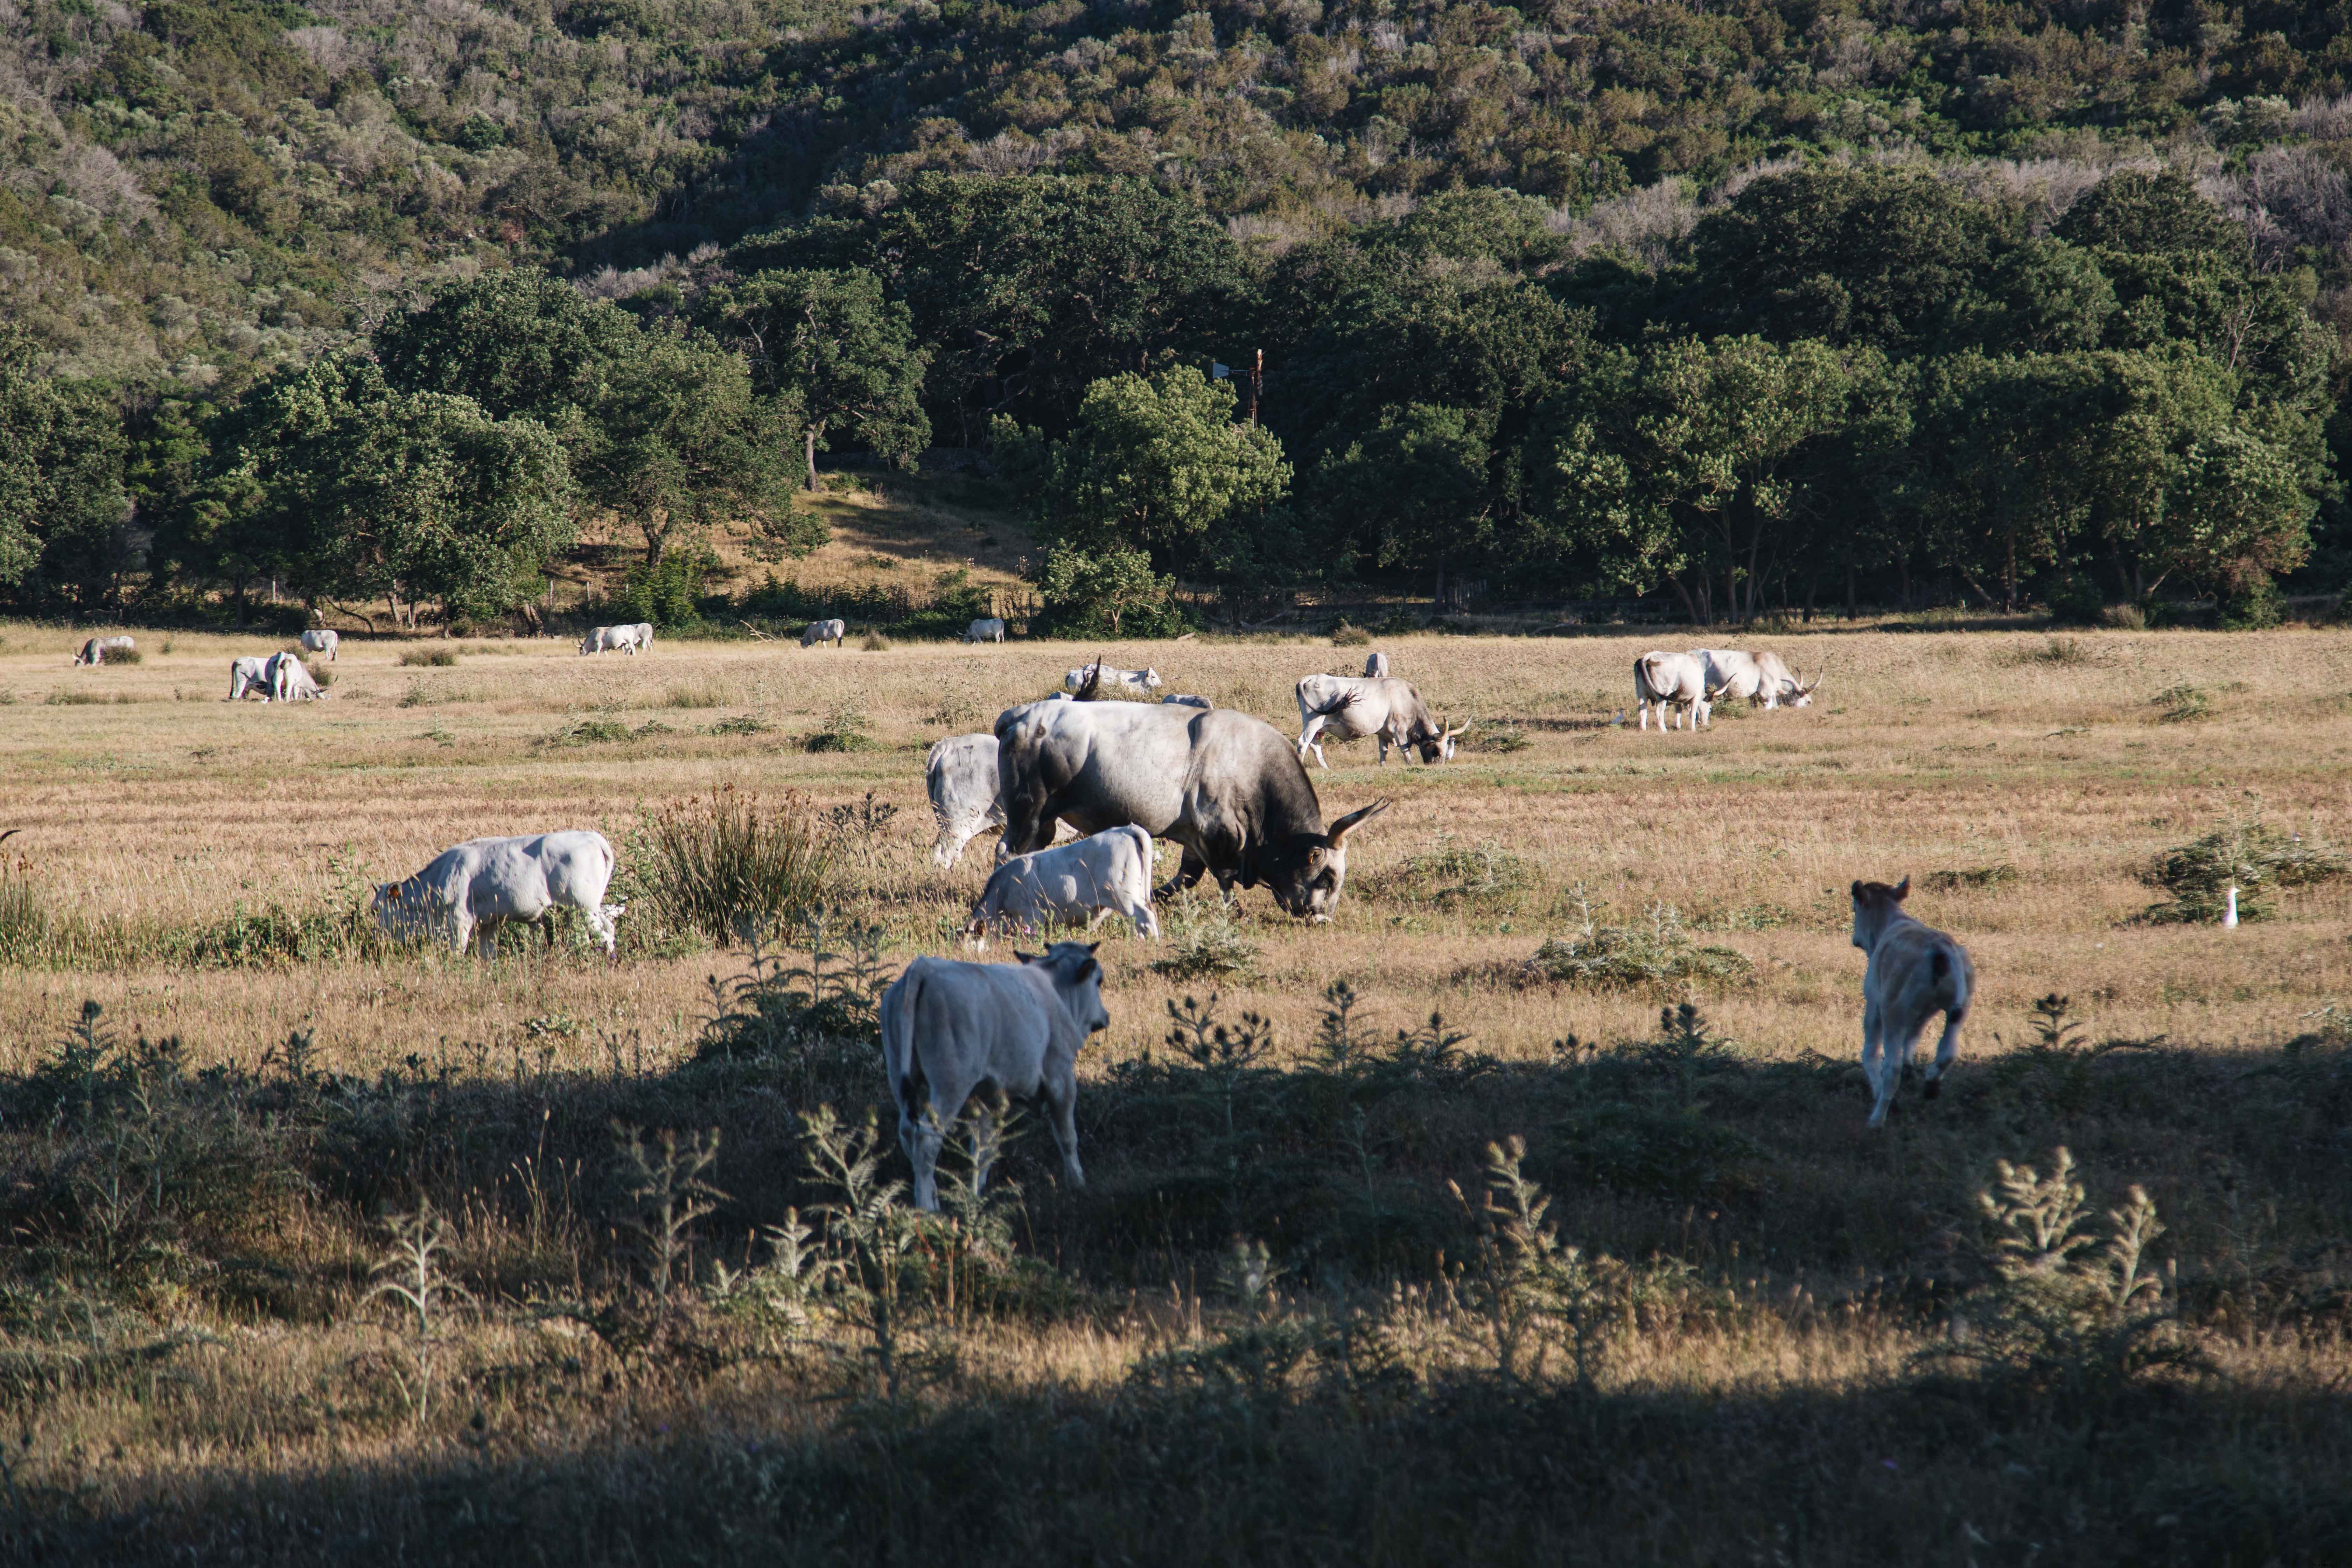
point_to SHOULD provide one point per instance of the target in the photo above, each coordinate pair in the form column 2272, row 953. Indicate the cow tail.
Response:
column 897, row 1020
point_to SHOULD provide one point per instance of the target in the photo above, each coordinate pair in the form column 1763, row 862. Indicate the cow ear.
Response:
column 1338, row 835
column 1857, row 890
column 1094, row 947
column 1025, row 957
column 1903, row 889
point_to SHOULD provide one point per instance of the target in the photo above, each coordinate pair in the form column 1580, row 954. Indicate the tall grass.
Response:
column 724, row 865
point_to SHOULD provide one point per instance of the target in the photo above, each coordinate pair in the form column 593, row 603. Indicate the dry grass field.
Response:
column 241, row 1399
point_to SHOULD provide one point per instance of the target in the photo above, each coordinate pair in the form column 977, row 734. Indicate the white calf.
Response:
column 825, row 632
column 321, row 640
column 1914, row 972
column 1108, row 873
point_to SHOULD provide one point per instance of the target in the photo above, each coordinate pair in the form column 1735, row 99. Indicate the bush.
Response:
column 2074, row 600
column 664, row 593
column 2254, row 606
column 123, row 656
column 1656, row 952
column 1348, row 635
column 725, row 868
column 1109, row 593
column 2123, row 619
column 2253, row 857
column 428, row 658
column 844, row 731
column 874, row 642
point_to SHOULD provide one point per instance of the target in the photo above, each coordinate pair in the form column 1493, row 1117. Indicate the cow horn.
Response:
column 1338, row 835
column 1090, row 689
column 10, row 834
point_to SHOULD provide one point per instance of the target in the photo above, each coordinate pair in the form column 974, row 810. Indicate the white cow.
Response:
column 485, row 882
column 1139, row 682
column 988, row 629
column 825, row 632
column 961, row 773
column 1350, row 707
column 1106, row 873
column 631, row 640
column 290, row 680
column 1184, row 700
column 1761, row 680
column 95, row 651
column 1676, row 680
column 1375, row 665
column 321, row 640
column 1914, row 972
column 248, row 675
column 949, row 1026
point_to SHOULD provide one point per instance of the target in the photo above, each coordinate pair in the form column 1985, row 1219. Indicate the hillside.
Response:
column 192, row 187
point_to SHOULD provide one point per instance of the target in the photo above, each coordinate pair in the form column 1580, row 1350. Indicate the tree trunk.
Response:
column 810, row 457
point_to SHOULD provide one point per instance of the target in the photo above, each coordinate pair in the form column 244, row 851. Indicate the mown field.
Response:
column 1730, row 1369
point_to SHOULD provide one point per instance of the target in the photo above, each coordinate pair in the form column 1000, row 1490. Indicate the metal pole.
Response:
column 1258, row 380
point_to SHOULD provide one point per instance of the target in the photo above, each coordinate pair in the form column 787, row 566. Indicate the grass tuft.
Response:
column 1653, row 951
column 725, row 865
column 428, row 658
column 2255, row 858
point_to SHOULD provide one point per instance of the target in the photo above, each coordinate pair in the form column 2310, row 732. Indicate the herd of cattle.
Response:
column 1104, row 762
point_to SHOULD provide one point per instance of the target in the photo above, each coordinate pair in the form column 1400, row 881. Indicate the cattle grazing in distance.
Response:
column 1350, row 707
column 1185, row 699
column 1914, row 972
column 950, row 1026
column 988, row 628
column 248, row 675
column 631, row 640
column 825, row 632
column 95, row 651
column 321, row 640
column 1106, row 873
column 1760, row 679
column 1226, row 785
column 485, row 882
column 1676, row 680
column 290, row 680
column 961, row 773
column 1134, row 682
column 1376, row 667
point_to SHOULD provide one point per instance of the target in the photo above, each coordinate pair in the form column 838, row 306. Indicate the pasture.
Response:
column 1268, row 1327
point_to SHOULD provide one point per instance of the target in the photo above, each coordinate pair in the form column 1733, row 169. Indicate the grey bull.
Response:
column 949, row 1028
column 485, row 882
column 1226, row 786
column 830, row 632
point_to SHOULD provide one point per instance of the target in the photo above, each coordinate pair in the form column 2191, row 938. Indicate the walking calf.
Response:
column 1915, row 972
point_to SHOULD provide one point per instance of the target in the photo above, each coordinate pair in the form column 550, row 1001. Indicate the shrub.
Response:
column 1110, row 592
column 741, row 724
column 589, row 732
column 1454, row 872
column 1348, row 635
column 723, row 866
column 2253, row 857
column 874, row 642
column 2182, row 703
column 2123, row 619
column 1206, row 943
column 2254, row 606
column 844, row 731
column 428, row 658
column 1654, row 951
column 1505, row 736
column 664, row 594
column 123, row 656
column 1973, row 877
column 2074, row 600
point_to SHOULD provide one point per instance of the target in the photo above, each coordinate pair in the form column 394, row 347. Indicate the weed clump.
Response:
column 874, row 642
column 1976, row 876
column 1205, row 945
column 721, row 864
column 741, row 724
column 1348, row 635
column 590, row 733
column 1499, row 739
column 1453, row 872
column 2254, row 857
column 845, row 730
column 1653, row 951
column 2180, row 704
column 428, row 658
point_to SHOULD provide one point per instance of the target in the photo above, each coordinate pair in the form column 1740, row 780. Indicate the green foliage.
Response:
column 64, row 511
column 724, row 866
column 664, row 593
column 2253, row 857
column 2053, row 1070
column 1110, row 592
column 1654, row 951
column 1204, row 942
column 832, row 347
column 428, row 658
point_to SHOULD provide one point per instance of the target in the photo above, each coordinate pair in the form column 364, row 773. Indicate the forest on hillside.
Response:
column 1749, row 308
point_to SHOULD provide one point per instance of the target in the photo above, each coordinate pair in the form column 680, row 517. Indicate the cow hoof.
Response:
column 1935, row 1087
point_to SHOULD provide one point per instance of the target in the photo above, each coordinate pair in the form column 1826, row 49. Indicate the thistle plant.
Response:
column 411, row 1273
column 667, row 1193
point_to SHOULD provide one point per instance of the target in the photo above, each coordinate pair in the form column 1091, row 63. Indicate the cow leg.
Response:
column 1147, row 921
column 1895, row 1045
column 1061, row 1092
column 600, row 925
column 1870, row 1060
column 1190, row 868
column 1307, row 738
column 1947, row 1050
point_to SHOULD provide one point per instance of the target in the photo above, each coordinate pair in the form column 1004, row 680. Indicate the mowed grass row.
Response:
column 2056, row 767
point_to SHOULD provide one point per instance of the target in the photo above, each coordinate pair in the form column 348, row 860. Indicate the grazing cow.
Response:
column 95, row 651
column 248, row 675
column 485, row 882
column 1184, row 700
column 1761, row 680
column 988, row 629
column 825, row 632
column 1914, row 972
column 1136, row 682
column 1107, row 873
column 1676, row 680
column 961, row 773
column 1376, row 667
column 1350, row 707
column 1226, row 785
column 949, row 1027
column 290, row 680
column 322, row 641
column 631, row 640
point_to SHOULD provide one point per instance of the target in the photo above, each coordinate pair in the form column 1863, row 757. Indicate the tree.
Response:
column 1086, row 591
column 1414, row 489
column 1161, row 464
column 63, row 512
column 658, row 424
column 1690, row 466
column 838, row 351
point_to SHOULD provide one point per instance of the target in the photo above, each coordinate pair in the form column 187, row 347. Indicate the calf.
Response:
column 1376, row 667
column 951, row 1028
column 1914, row 972
column 249, row 674
column 825, row 632
column 95, row 651
column 484, row 882
column 1107, row 873
column 290, row 680
column 321, row 640
column 631, row 640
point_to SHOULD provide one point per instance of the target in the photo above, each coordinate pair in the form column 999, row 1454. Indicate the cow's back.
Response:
column 1106, row 763
column 997, row 1021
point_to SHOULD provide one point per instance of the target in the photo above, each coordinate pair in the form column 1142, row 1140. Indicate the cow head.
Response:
column 1876, row 904
column 1440, row 747
column 1078, row 979
column 1803, row 695
column 404, row 909
column 1306, row 874
column 1151, row 679
column 588, row 643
